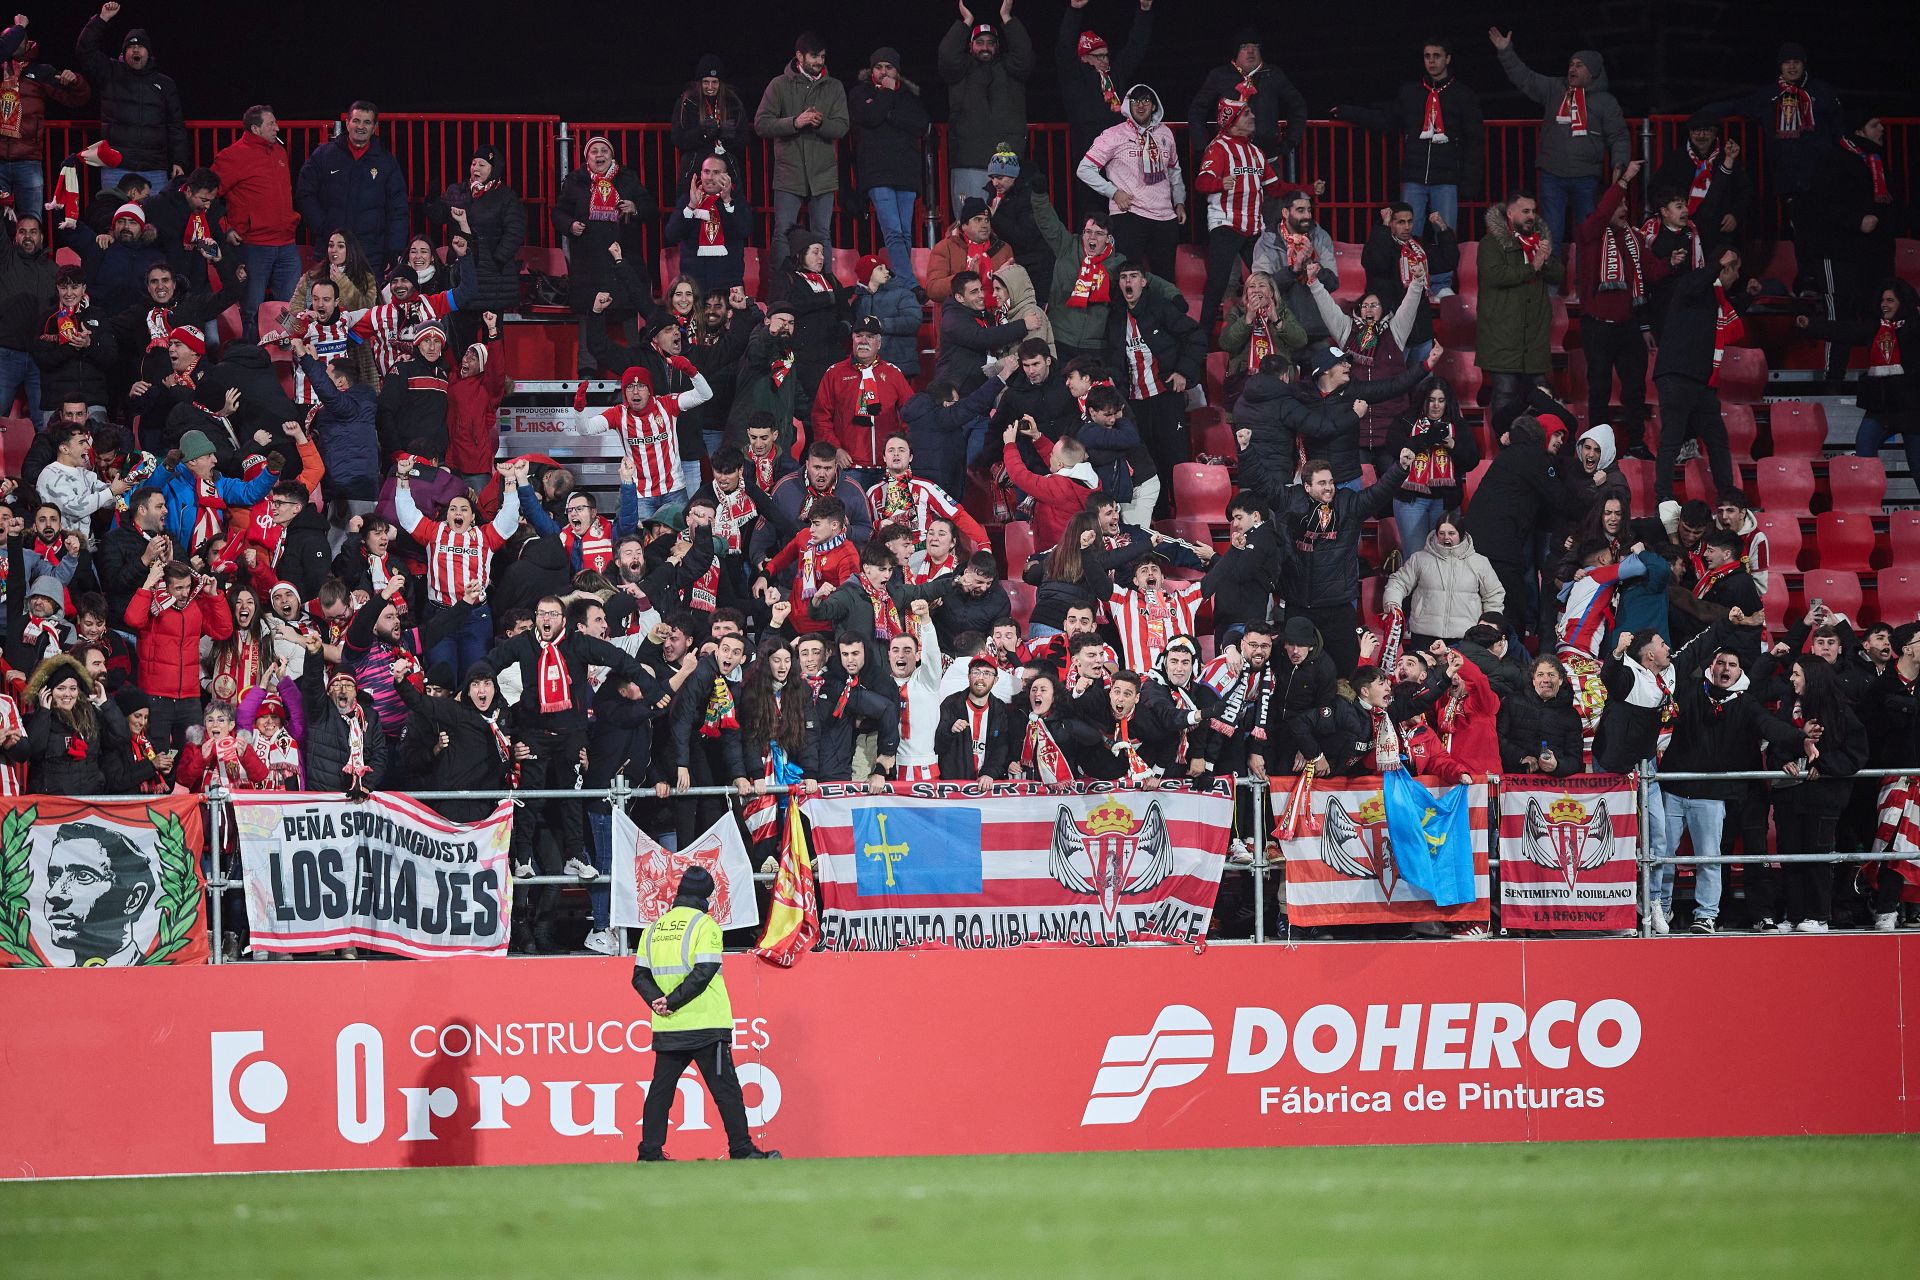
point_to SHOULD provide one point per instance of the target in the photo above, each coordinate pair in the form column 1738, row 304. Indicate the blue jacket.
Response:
column 366, row 198
column 625, row 521
column 347, row 433
column 182, row 504
column 1642, row 604
column 898, row 312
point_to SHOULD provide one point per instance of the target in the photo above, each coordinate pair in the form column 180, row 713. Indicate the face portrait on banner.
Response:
column 96, row 902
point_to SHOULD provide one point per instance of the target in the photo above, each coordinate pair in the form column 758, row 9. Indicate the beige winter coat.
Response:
column 1444, row 590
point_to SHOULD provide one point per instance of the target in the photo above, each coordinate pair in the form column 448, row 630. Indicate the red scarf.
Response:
column 210, row 515
column 896, row 501
column 1093, row 284
column 980, row 262
column 810, row 557
column 1111, row 94
column 1884, row 352
column 1793, row 111
column 556, row 685
column 1299, row 247
column 1620, row 268
column 713, row 232
column 237, row 670
column 719, row 714
column 1413, row 260
column 478, row 189
column 596, row 548
column 1573, row 112
column 603, row 200
column 1876, row 170
column 763, row 467
column 777, row 372
column 1711, row 579
column 886, row 614
column 1041, row 756
column 817, row 281
column 10, row 100
column 1432, row 468
column 1529, row 244
column 1433, row 120
column 1261, row 345
column 1728, row 329
column 1702, row 177
column 731, row 513
column 1697, row 253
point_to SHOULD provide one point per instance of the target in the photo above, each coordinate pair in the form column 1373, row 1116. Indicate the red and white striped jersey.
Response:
column 1246, row 176
column 329, row 342
column 10, row 723
column 653, row 442
column 389, row 327
column 1143, row 370
column 909, row 498
column 1147, row 620
column 457, row 558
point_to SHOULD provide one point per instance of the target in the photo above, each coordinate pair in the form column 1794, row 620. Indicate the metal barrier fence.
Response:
column 621, row 792
column 1361, row 167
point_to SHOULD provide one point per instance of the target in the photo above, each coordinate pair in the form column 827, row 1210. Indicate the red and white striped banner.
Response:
column 993, row 865
column 1568, row 851
column 1341, row 867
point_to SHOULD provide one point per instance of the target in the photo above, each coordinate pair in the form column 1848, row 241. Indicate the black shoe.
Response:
column 658, row 1157
column 1641, row 452
column 758, row 1154
column 1703, row 926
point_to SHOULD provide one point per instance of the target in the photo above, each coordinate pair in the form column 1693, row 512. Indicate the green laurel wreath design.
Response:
column 15, row 848
column 179, row 888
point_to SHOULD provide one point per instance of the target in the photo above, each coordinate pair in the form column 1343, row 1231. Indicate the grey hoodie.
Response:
column 1604, row 145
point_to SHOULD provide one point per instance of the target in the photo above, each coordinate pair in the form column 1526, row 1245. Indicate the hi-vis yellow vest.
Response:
column 671, row 946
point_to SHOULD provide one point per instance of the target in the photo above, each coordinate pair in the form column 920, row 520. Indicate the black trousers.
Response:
column 1337, row 625
column 1146, row 241
column 723, row 1082
column 1616, row 347
column 1224, row 247
column 1509, row 397
column 168, row 720
column 1690, row 409
column 1809, row 884
column 548, row 832
column 1162, row 421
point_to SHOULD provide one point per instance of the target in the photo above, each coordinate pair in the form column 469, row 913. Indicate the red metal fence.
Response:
column 1361, row 168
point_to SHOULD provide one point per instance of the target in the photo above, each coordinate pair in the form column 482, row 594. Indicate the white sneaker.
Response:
column 1785, row 926
column 1811, row 926
column 1472, row 933
column 1238, row 853
column 1657, row 919
column 1445, row 291
column 1886, row 921
column 521, row 870
column 602, row 942
column 581, row 868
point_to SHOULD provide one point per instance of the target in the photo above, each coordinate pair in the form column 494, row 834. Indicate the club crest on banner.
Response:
column 657, row 872
column 1112, row 854
column 1566, row 837
column 1357, row 844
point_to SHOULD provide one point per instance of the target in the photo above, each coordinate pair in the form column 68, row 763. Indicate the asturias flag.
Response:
column 1432, row 838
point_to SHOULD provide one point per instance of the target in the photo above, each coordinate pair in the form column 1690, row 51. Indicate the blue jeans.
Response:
column 893, row 210
column 964, row 183
column 600, row 845
column 1873, row 436
column 1356, row 485
column 1701, row 819
column 269, row 266
column 1433, row 197
column 786, row 216
column 19, row 373
column 28, row 184
column 648, row 506
column 1415, row 518
column 462, row 648
column 1561, row 197
column 1041, row 631
column 158, row 177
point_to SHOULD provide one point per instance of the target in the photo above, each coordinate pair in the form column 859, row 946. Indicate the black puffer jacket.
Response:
column 1299, row 695
column 1508, row 509
column 264, row 405
column 1016, row 220
column 1452, row 163
column 139, row 110
column 471, row 761
column 80, row 372
column 324, row 750
column 1526, row 722
column 889, row 134
column 1324, row 568
column 498, row 222
column 26, row 294
column 827, row 755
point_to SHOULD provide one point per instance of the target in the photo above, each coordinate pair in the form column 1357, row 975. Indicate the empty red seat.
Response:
column 1743, row 376
column 1215, row 440
column 1799, row 428
column 846, row 266
column 1898, row 594
column 1189, row 529
column 16, row 434
column 1743, row 431
column 1021, row 594
column 1843, row 540
column 1638, row 473
column 1201, row 492
column 1557, row 330
column 1775, row 601
column 1783, row 539
column 1699, row 477
column 1473, row 478
column 1462, row 374
column 1903, row 535
column 1458, row 323
column 1190, row 269
column 1857, row 484
column 1838, row 589
column 1784, row 484
column 1466, row 277
column 1016, row 539
column 543, row 258
column 1205, row 415
column 1215, row 378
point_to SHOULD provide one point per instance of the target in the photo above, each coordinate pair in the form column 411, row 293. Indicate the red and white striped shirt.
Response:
column 389, row 327
column 457, row 558
column 329, row 342
column 909, row 498
column 1146, row 620
column 1143, row 370
column 652, row 436
column 1245, row 175
column 10, row 723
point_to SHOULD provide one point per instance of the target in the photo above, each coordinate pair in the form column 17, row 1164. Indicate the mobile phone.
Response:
column 1818, row 604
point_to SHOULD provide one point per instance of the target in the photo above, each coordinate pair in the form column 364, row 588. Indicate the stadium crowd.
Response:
column 293, row 559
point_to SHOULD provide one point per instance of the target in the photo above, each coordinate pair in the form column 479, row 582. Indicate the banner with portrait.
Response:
column 85, row 884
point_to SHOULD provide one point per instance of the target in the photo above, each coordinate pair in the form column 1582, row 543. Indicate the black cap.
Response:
column 130, row 699
column 868, row 324
column 440, row 675
column 696, row 886
column 971, row 208
column 1299, row 631
column 1703, row 120
column 1791, row 52
column 780, row 308
column 659, row 322
column 404, row 272
column 137, row 36
column 1903, row 635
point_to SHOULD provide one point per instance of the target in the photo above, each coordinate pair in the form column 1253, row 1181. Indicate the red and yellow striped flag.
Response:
column 793, row 916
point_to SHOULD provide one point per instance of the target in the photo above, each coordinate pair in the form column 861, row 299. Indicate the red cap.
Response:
column 1092, row 42
column 983, row 29
column 192, row 339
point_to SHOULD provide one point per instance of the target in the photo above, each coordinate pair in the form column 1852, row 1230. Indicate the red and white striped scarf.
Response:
column 1728, row 329
column 810, row 557
column 886, row 614
column 1620, row 268
column 603, row 199
column 1876, row 169
column 1702, row 176
column 1433, row 120
column 1573, row 112
column 1793, row 110
column 1041, row 756
column 1094, row 282
column 1883, row 353
column 556, row 684
column 1697, row 254
column 713, row 232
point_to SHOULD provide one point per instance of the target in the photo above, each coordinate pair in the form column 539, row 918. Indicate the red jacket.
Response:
column 170, row 641
column 37, row 83
column 1057, row 498
column 838, row 400
column 258, row 188
column 473, row 425
column 248, row 772
column 835, row 568
column 1469, row 726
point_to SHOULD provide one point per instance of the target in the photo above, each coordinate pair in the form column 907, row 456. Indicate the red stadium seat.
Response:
column 1898, row 594
column 1699, row 477
column 1784, row 484
column 1022, row 594
column 1837, row 589
column 1799, row 429
column 1843, row 540
column 1743, row 431
column 16, row 434
column 1190, row 270
column 1638, row 473
column 1462, row 374
column 1466, row 278
column 1783, row 539
column 1200, row 531
column 1743, row 376
column 227, row 324
column 1205, row 415
column 1201, row 492
column 1557, row 331
column 1782, row 266
column 272, row 316
column 1459, row 322
column 1857, row 484
column 1016, row 540
column 1576, row 381
column 1215, row 378
column 1776, row 602
column 543, row 258
column 1474, row 476
column 1215, row 439
column 1903, row 535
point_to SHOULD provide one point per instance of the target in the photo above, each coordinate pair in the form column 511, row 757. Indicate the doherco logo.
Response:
column 1112, row 854
column 1174, row 1053
column 1357, row 844
column 1566, row 838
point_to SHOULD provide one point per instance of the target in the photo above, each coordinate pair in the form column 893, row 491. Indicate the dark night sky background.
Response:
column 627, row 62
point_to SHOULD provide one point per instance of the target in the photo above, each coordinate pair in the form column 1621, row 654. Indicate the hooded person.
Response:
column 458, row 739
column 708, row 119
column 890, row 126
column 1583, row 133
column 1136, row 165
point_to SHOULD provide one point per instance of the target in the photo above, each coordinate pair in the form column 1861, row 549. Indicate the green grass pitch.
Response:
column 1762, row 1207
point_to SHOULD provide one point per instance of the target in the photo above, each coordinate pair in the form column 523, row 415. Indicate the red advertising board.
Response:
column 478, row 1061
